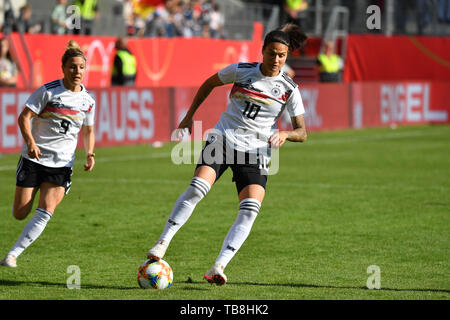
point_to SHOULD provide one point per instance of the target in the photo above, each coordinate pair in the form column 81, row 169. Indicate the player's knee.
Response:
column 20, row 213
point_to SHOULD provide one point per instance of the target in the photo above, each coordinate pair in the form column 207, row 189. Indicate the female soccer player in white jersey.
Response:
column 50, row 122
column 244, row 135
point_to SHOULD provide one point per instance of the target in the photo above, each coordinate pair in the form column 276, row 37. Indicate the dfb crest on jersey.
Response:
column 276, row 92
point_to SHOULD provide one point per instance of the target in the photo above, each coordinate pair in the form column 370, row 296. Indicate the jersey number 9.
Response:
column 64, row 126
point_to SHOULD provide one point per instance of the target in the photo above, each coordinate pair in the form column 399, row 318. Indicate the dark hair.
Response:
column 289, row 34
column 73, row 49
column 8, row 54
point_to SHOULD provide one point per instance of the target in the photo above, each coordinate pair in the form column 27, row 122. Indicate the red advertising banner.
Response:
column 397, row 58
column 123, row 116
column 161, row 62
column 210, row 110
column 392, row 103
column 326, row 107
column 143, row 115
column 131, row 116
column 11, row 104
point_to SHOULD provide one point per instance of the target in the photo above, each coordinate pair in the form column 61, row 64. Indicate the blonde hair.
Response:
column 73, row 49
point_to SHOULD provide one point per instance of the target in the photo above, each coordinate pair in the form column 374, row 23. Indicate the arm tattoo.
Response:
column 299, row 132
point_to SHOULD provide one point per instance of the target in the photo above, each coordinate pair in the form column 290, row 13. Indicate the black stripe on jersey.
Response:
column 52, row 84
column 247, row 86
column 247, row 65
column 289, row 80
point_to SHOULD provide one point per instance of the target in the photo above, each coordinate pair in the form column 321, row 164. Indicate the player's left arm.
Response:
column 89, row 143
column 298, row 134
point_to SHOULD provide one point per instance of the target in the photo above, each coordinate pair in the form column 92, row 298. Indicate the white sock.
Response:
column 31, row 232
column 239, row 231
column 184, row 207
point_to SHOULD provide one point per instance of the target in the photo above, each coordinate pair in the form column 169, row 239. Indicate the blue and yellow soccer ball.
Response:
column 155, row 274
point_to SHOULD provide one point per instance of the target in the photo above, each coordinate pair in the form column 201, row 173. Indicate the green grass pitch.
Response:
column 341, row 202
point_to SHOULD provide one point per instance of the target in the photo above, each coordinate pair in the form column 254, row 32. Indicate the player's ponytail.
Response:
column 289, row 34
column 73, row 49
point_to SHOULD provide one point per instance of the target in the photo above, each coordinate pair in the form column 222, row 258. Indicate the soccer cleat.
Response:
column 158, row 250
column 9, row 261
column 216, row 275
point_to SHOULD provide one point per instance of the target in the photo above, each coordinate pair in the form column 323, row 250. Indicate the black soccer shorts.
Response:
column 30, row 174
column 246, row 167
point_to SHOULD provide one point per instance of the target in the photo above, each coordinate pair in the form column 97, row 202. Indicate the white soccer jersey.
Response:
column 61, row 114
column 256, row 102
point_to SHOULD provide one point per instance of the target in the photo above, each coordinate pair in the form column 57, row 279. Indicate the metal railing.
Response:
column 239, row 18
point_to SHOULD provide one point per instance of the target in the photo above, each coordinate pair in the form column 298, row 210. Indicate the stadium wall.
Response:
column 404, row 58
column 145, row 115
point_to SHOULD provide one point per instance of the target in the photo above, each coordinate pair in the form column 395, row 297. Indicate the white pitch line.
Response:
column 7, row 168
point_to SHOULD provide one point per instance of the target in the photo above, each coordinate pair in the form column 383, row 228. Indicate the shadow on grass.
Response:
column 288, row 285
column 47, row 284
column 301, row 285
column 62, row 285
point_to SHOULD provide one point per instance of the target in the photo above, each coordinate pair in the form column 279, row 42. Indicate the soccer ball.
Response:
column 155, row 274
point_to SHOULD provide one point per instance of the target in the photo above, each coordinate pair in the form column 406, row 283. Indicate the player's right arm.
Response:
column 24, row 122
column 202, row 93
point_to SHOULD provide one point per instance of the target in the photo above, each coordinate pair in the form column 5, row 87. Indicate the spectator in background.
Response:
column 401, row 9
column 188, row 17
column 294, row 11
column 8, row 67
column 24, row 22
column 423, row 15
column 58, row 18
column 419, row 10
column 174, row 20
column 129, row 17
column 216, row 22
column 205, row 18
column 139, row 25
column 444, row 11
column 124, row 69
column 88, row 12
column 197, row 13
column 10, row 11
column 330, row 64
column 156, row 24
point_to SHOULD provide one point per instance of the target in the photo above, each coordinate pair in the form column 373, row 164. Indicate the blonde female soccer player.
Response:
column 242, row 140
column 58, row 110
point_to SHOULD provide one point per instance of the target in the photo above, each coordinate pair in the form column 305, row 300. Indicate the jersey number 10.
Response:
column 251, row 110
